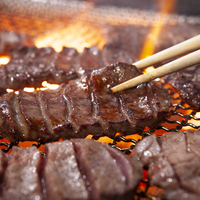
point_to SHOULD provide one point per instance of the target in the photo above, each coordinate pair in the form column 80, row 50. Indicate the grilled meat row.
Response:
column 173, row 163
column 83, row 106
column 75, row 169
column 30, row 66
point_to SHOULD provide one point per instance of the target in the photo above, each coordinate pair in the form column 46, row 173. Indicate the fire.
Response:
column 149, row 44
column 78, row 35
column 4, row 60
column 45, row 85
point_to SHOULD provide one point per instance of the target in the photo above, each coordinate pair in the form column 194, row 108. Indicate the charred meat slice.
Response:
column 63, row 179
column 174, row 165
column 30, row 66
column 77, row 94
column 144, row 106
column 22, row 176
column 84, row 106
column 106, row 104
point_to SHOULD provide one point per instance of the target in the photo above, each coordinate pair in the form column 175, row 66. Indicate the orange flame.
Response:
column 149, row 44
column 78, row 34
column 4, row 60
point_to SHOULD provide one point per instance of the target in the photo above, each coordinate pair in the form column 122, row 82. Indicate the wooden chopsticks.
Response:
column 176, row 65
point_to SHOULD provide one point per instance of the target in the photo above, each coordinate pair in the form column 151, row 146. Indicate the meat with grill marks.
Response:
column 30, row 66
column 78, row 169
column 84, row 106
column 173, row 163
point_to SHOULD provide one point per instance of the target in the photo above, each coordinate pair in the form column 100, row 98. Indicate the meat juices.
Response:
column 77, row 169
column 84, row 106
column 173, row 164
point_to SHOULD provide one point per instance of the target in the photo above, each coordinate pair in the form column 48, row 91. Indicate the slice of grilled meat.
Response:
column 84, row 106
column 77, row 169
column 30, row 66
column 173, row 163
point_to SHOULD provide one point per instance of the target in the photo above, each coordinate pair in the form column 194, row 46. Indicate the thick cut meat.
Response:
column 105, row 170
column 22, row 176
column 76, row 169
column 80, row 107
column 63, row 179
column 174, row 165
column 30, row 66
column 84, row 106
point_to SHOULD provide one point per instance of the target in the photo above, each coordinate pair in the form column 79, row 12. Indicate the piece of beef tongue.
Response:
column 104, row 175
column 175, row 166
column 62, row 176
column 22, row 176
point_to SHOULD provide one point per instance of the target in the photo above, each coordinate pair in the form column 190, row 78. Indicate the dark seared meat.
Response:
column 80, row 108
column 22, row 176
column 84, row 106
column 186, row 82
column 173, row 163
column 106, row 104
column 75, row 169
column 30, row 66
column 63, row 179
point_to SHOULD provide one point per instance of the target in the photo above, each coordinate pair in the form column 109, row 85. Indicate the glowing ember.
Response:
column 45, row 85
column 195, row 121
column 4, row 60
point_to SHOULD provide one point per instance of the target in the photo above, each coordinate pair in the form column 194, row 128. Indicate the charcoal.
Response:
column 63, row 179
column 84, row 106
column 176, row 167
column 22, row 176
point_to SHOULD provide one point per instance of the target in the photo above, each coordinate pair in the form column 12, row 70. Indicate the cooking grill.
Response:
column 39, row 18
